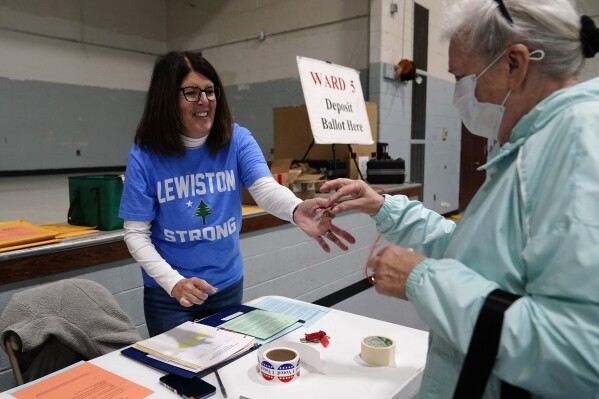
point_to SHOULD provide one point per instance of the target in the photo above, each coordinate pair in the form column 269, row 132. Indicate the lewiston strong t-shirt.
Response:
column 194, row 205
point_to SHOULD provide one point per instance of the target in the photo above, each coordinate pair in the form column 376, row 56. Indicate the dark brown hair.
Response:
column 160, row 124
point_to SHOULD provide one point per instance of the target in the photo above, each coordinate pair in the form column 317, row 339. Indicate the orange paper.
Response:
column 20, row 232
column 84, row 381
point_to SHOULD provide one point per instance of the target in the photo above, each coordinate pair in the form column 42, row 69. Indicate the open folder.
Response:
column 195, row 346
column 164, row 351
column 145, row 358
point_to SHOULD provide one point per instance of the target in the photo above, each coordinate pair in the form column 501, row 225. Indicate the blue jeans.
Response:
column 164, row 312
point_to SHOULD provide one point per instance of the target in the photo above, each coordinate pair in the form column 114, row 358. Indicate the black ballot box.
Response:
column 386, row 171
column 329, row 168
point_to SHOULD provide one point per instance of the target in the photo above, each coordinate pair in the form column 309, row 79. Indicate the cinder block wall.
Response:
column 278, row 261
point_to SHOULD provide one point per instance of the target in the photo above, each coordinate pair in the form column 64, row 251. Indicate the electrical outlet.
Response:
column 389, row 71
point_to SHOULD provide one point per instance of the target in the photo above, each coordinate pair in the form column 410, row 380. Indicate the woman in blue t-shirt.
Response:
column 182, row 196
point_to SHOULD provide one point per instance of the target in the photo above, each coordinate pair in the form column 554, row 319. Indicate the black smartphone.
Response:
column 191, row 388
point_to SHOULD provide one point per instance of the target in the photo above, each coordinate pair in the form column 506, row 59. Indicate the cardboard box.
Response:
column 302, row 184
column 293, row 135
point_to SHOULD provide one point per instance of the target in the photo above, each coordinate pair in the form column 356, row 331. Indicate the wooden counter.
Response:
column 105, row 247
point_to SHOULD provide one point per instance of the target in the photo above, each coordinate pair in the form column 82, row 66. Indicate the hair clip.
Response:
column 589, row 36
column 504, row 12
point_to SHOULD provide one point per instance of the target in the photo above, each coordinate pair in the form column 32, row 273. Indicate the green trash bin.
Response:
column 94, row 201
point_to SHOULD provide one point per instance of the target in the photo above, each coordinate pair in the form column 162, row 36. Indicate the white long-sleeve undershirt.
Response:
column 268, row 194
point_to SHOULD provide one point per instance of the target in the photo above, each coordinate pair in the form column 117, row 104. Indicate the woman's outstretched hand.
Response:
column 315, row 220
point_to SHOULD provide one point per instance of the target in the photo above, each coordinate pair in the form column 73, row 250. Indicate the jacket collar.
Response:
column 541, row 114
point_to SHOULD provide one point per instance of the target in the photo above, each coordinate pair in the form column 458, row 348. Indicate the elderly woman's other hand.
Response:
column 392, row 266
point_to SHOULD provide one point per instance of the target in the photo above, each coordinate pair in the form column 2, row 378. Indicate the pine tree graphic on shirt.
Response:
column 202, row 211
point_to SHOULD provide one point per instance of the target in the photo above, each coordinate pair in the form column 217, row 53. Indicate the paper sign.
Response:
column 335, row 103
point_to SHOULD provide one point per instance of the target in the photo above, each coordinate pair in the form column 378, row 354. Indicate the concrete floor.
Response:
column 369, row 303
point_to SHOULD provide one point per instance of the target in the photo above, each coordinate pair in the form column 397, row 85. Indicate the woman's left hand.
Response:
column 392, row 266
column 316, row 221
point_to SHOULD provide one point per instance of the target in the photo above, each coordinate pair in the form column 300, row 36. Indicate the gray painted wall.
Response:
column 43, row 125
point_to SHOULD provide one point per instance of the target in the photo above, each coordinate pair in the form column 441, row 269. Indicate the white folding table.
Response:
column 346, row 374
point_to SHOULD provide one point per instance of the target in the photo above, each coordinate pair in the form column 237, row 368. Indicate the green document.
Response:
column 260, row 323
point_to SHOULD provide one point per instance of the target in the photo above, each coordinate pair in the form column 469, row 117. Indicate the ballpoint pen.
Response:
column 220, row 383
column 212, row 369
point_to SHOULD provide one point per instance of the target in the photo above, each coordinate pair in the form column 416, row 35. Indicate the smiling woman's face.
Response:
column 197, row 117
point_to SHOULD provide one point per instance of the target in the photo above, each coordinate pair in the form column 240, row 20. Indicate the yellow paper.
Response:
column 247, row 209
column 29, row 245
column 68, row 230
column 76, row 233
column 65, row 228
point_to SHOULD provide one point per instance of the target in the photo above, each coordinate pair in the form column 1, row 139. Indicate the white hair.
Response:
column 552, row 26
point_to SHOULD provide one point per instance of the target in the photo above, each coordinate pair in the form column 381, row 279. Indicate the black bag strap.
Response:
column 482, row 350
column 96, row 190
column 75, row 213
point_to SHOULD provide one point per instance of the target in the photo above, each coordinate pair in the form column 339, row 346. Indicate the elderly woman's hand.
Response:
column 391, row 266
column 364, row 198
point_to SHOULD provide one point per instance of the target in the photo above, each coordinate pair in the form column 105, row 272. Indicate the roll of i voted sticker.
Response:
column 378, row 351
column 279, row 364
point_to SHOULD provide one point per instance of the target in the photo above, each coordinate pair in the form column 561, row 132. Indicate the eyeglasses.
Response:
column 193, row 94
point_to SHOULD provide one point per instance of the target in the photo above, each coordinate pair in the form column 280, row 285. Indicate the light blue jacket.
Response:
column 533, row 229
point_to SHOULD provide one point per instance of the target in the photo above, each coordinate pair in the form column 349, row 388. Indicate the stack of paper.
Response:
column 195, row 346
column 264, row 325
column 260, row 323
column 21, row 234
column 68, row 230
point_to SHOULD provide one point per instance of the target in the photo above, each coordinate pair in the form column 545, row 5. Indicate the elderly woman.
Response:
column 532, row 229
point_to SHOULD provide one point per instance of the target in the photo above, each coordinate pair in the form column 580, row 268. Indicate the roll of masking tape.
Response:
column 378, row 351
column 279, row 364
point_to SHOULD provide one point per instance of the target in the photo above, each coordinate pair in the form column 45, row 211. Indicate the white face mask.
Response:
column 482, row 119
